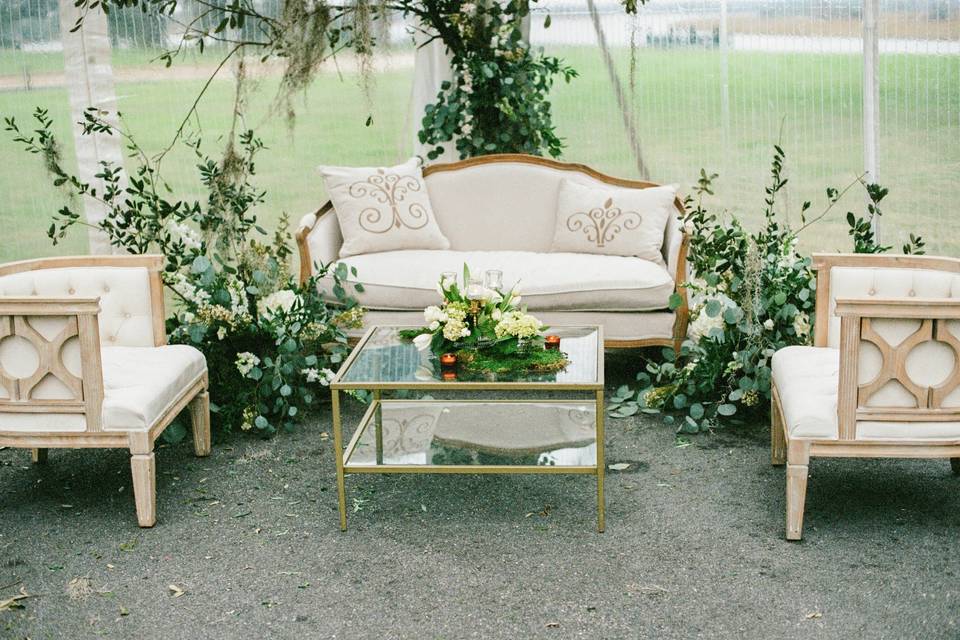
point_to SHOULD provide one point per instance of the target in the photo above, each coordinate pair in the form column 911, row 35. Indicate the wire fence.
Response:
column 684, row 85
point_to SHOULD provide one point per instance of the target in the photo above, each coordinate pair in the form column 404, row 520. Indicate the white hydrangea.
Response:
column 323, row 376
column 454, row 329
column 703, row 324
column 246, row 361
column 278, row 301
column 518, row 324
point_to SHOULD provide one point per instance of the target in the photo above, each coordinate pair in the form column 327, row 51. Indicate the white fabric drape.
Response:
column 89, row 77
column 431, row 69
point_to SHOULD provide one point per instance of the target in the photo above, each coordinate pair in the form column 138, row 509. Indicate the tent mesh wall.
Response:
column 708, row 84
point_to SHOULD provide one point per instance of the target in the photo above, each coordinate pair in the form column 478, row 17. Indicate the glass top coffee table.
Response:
column 527, row 423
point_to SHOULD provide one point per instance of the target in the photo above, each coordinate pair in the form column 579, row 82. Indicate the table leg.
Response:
column 601, row 464
column 338, row 454
column 378, row 426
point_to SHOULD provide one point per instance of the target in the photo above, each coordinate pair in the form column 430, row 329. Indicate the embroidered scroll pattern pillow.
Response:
column 383, row 208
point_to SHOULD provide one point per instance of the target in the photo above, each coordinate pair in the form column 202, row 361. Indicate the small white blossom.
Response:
column 221, row 333
column 246, row 361
column 323, row 376
column 768, row 324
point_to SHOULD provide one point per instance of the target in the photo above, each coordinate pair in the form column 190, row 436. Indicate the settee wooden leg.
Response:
column 955, row 465
column 39, row 456
column 778, row 441
column 200, row 418
column 796, row 497
column 144, row 468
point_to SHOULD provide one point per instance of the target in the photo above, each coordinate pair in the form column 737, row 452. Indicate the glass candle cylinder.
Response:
column 552, row 342
column 493, row 279
column 448, row 279
column 475, row 289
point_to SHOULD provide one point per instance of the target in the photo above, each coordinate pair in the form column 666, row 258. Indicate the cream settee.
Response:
column 499, row 212
column 883, row 376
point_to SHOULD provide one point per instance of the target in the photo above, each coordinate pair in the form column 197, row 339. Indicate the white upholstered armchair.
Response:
column 883, row 376
column 84, row 363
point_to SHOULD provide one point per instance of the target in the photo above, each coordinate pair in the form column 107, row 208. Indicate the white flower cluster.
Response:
column 323, row 376
column 246, row 361
column 189, row 291
column 518, row 324
column 278, row 301
column 452, row 318
column 703, row 324
column 190, row 238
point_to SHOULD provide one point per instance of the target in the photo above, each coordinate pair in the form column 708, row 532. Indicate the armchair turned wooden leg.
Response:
column 796, row 497
column 955, row 465
column 778, row 440
column 144, row 470
column 39, row 456
column 200, row 418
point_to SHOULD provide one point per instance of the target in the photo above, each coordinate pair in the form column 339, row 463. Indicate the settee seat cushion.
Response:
column 407, row 280
column 140, row 384
column 807, row 380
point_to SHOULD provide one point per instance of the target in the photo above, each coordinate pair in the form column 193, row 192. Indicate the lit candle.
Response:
column 552, row 342
column 448, row 360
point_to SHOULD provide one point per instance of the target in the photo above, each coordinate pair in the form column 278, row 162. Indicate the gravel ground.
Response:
column 247, row 545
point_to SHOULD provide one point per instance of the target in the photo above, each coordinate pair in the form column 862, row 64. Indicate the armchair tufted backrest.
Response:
column 879, row 276
column 129, row 289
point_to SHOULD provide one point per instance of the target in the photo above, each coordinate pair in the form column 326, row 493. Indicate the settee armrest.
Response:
column 318, row 240
column 856, row 400
column 44, row 326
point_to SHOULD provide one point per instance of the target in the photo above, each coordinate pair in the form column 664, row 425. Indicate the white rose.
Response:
column 433, row 326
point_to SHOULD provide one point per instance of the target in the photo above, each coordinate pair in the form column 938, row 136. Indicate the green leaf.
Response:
column 200, row 264
column 713, row 308
column 727, row 409
column 696, row 411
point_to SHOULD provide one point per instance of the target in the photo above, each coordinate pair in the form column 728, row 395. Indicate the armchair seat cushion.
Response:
column 807, row 380
column 407, row 280
column 141, row 383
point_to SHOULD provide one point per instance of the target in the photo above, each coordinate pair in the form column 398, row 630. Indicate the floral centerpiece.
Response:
column 485, row 327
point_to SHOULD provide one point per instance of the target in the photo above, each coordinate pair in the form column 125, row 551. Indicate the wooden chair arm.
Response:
column 906, row 308
column 36, row 306
column 303, row 245
column 81, row 323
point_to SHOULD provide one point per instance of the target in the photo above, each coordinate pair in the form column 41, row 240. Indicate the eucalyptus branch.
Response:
column 833, row 201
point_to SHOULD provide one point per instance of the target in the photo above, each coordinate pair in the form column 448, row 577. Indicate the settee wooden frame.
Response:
column 82, row 314
column 682, row 312
column 856, row 315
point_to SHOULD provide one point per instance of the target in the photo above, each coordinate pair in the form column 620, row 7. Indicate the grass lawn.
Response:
column 815, row 99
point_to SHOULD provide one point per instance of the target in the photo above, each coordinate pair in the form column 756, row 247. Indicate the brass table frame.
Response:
column 373, row 412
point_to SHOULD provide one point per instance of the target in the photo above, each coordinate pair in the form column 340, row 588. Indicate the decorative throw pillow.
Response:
column 613, row 221
column 383, row 208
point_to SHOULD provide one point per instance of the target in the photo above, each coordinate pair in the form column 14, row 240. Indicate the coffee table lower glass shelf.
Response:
column 478, row 436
